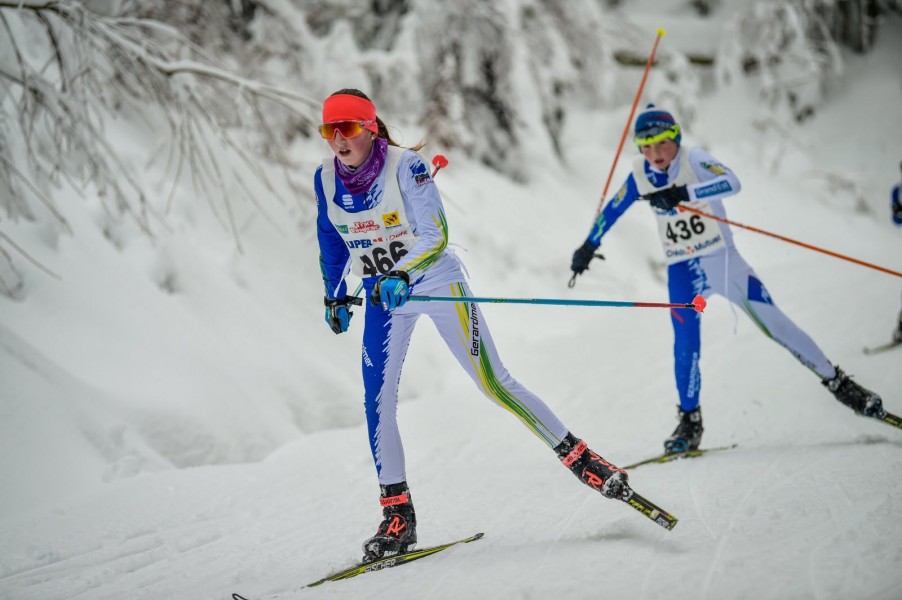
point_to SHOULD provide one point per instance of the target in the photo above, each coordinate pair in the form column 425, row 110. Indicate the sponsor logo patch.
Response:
column 420, row 173
column 474, row 321
column 364, row 226
column 714, row 168
column 691, row 249
column 391, row 219
column 621, row 193
column 710, row 190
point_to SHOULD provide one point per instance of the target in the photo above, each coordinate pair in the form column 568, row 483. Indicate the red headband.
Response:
column 346, row 107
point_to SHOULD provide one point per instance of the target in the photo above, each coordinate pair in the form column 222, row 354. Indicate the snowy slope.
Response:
column 208, row 441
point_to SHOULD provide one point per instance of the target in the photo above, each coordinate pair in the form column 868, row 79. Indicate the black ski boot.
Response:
column 897, row 334
column 862, row 401
column 593, row 470
column 688, row 434
column 397, row 533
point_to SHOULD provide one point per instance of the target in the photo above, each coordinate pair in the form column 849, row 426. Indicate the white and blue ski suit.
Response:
column 895, row 202
column 702, row 260
column 399, row 224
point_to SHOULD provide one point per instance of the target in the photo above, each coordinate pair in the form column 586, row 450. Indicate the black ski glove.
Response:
column 583, row 256
column 338, row 313
column 668, row 198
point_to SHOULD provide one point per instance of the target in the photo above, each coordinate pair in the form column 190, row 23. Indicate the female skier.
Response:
column 380, row 216
column 703, row 260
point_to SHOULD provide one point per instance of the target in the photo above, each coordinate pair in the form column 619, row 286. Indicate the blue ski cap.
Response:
column 654, row 125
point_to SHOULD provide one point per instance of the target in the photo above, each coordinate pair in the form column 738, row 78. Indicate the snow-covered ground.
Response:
column 177, row 421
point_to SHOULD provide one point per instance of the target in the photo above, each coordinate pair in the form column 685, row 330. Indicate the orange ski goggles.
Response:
column 347, row 129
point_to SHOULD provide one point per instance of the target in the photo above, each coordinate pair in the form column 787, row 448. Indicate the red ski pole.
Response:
column 626, row 129
column 685, row 208
column 629, row 121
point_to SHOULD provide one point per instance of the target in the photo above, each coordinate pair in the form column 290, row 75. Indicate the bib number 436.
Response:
column 681, row 229
column 380, row 260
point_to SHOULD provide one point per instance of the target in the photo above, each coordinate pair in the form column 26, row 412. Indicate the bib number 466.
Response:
column 381, row 260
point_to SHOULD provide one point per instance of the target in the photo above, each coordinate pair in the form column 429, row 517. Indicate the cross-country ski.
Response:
column 390, row 562
column 666, row 458
column 381, row 564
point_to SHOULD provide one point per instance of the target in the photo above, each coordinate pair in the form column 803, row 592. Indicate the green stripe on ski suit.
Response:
column 489, row 381
column 599, row 229
column 755, row 319
column 430, row 256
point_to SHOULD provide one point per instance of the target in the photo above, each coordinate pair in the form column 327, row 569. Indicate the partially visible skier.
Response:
column 896, row 208
column 703, row 260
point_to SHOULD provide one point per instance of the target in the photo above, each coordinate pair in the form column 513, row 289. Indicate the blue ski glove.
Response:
column 338, row 315
column 391, row 290
column 583, row 256
column 668, row 198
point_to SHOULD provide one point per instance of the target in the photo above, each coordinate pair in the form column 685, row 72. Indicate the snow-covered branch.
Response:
column 66, row 73
column 792, row 47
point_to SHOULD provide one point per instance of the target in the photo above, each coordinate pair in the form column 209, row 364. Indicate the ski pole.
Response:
column 684, row 208
column 626, row 128
column 698, row 303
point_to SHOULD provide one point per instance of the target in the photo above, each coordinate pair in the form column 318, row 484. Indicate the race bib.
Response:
column 378, row 237
column 379, row 254
column 685, row 235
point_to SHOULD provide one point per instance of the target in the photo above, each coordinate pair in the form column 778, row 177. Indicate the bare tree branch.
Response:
column 5, row 238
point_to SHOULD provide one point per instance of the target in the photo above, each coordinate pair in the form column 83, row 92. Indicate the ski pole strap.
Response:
column 343, row 301
column 574, row 454
column 684, row 208
column 394, row 500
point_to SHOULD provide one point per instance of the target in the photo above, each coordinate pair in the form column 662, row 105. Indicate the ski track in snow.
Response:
column 565, row 526
column 699, row 512
column 718, row 552
column 846, row 521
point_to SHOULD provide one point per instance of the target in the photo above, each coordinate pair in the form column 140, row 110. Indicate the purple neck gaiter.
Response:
column 360, row 179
